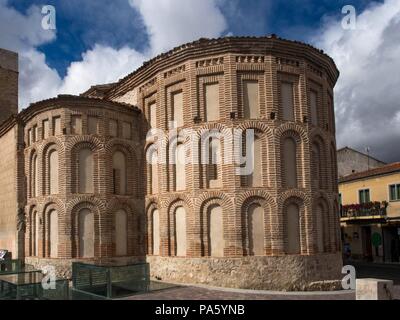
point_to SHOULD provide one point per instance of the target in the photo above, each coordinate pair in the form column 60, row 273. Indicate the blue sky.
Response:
column 100, row 41
column 81, row 24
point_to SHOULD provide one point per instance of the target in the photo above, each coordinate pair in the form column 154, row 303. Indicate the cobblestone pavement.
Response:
column 200, row 293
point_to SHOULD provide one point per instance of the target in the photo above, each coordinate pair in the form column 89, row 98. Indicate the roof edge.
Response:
column 221, row 40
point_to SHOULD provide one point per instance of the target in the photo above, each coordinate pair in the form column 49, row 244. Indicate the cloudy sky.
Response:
column 100, row 41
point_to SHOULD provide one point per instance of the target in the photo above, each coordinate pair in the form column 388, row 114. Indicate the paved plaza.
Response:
column 364, row 270
column 207, row 293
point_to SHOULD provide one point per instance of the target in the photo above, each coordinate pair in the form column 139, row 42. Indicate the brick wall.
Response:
column 69, row 202
column 188, row 69
column 8, row 193
column 8, row 84
column 229, row 71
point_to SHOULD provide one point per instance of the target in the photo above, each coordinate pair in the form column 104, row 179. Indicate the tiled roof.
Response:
column 393, row 167
column 102, row 88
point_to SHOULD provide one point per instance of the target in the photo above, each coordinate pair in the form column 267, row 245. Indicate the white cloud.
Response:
column 368, row 94
column 168, row 22
column 23, row 33
column 36, row 80
column 173, row 22
column 98, row 66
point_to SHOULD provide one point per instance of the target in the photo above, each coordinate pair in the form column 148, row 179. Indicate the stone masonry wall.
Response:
column 351, row 161
column 283, row 273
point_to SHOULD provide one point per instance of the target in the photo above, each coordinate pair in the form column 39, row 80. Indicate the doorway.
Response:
column 367, row 244
column 392, row 242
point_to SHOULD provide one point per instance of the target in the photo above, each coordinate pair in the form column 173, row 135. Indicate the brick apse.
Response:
column 89, row 185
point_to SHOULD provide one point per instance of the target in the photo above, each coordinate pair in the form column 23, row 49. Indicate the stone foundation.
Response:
column 283, row 273
column 64, row 266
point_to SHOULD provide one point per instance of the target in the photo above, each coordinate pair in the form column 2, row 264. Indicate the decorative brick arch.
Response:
column 170, row 176
column 171, row 206
column 201, row 148
column 161, row 142
column 152, row 201
column 333, row 174
column 50, row 141
column 133, row 228
column 263, row 132
column 98, row 203
column 219, row 196
column 290, row 126
column 299, row 201
column 75, row 211
column 261, row 127
column 56, row 200
column 53, row 145
column 211, row 126
column 30, row 211
column 242, row 198
column 29, row 169
column 48, row 208
column 264, row 200
column 74, row 141
column 206, row 201
column 304, row 202
column 73, row 147
column 283, row 197
column 321, row 199
column 162, row 157
column 167, row 202
column 132, row 166
column 318, row 141
column 299, row 135
column 152, row 205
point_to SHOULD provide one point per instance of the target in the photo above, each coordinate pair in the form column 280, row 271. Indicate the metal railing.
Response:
column 364, row 210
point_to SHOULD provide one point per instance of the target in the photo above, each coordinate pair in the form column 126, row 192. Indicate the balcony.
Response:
column 365, row 211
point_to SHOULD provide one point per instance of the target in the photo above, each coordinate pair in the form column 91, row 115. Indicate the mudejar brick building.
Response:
column 88, row 182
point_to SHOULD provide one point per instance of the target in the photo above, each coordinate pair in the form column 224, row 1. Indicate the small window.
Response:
column 212, row 107
column 113, row 128
column 152, row 114
column 364, row 196
column 30, row 138
column 287, row 100
column 57, row 126
column 314, row 107
column 394, row 191
column 127, row 130
column 35, row 134
column 46, row 129
column 177, row 108
column 76, row 124
column 251, row 100
column 93, row 125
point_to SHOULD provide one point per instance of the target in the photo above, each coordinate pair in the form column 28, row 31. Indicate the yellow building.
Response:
column 370, row 214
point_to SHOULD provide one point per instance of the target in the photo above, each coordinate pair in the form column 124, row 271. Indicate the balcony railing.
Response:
column 371, row 209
